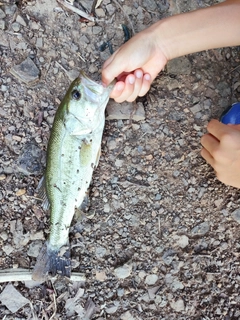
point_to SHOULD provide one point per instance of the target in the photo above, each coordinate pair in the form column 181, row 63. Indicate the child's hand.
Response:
column 221, row 149
column 135, row 65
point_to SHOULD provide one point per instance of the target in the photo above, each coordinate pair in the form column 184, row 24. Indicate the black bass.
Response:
column 72, row 154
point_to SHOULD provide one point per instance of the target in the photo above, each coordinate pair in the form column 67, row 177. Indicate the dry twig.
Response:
column 9, row 275
column 76, row 10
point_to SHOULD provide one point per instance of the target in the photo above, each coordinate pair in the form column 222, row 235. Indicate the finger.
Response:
column 128, row 89
column 210, row 143
column 207, row 156
column 145, row 85
column 218, row 129
column 137, row 85
column 117, row 90
column 112, row 68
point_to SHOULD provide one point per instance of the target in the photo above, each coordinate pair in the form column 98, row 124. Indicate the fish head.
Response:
column 86, row 99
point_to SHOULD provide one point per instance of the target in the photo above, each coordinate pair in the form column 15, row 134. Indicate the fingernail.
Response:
column 131, row 80
column 138, row 74
column 147, row 77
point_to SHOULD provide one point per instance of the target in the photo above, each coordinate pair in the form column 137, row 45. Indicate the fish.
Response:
column 73, row 153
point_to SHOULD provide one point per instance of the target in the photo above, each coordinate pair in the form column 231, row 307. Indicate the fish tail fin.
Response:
column 52, row 262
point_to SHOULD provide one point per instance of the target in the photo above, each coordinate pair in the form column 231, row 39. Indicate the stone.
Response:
column 12, row 299
column 26, row 71
column 2, row 14
column 123, row 271
column 151, row 279
column 21, row 21
column 34, row 248
column 125, row 110
column 127, row 316
column 201, row 229
column 2, row 24
column 15, row 26
column 236, row 215
column 177, row 305
column 178, row 66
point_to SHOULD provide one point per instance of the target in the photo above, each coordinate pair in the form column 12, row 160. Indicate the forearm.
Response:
column 203, row 29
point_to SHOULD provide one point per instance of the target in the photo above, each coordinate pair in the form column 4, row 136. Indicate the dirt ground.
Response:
column 161, row 238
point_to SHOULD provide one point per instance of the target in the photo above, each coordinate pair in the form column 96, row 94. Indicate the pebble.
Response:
column 8, row 249
column 151, row 279
column 177, row 305
column 127, row 316
column 236, row 215
column 111, row 9
column 100, row 252
column 2, row 14
column 4, row 235
column 21, row 21
column 178, row 66
column 125, row 110
column 26, row 71
column 196, row 108
column 123, row 272
column 182, row 241
column 15, row 26
column 12, row 299
column 2, row 24
column 201, row 229
column 100, row 12
column 34, row 248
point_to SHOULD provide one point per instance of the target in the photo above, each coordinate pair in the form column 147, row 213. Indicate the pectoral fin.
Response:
column 41, row 192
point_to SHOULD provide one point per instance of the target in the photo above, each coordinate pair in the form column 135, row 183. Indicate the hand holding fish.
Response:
column 136, row 64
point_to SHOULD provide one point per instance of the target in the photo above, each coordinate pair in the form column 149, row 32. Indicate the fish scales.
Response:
column 72, row 154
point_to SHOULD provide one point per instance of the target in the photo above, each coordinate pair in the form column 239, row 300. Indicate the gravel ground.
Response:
column 161, row 238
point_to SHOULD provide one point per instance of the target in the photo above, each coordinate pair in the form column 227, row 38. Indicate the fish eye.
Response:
column 76, row 95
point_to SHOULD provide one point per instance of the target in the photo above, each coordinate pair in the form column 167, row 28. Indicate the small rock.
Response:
column 101, row 275
column 100, row 12
column 4, row 235
column 236, row 215
column 178, row 305
column 97, row 29
column 21, row 21
column 15, row 26
column 2, row 14
column 39, row 43
column 151, row 279
column 20, row 192
column 196, row 108
column 182, row 241
column 100, row 252
column 26, row 71
column 110, row 9
column 125, row 110
column 30, row 159
column 178, row 66
column 127, row 316
column 112, row 309
column 8, row 249
column 201, row 229
column 119, row 163
column 106, row 208
column 34, row 248
column 123, row 272
column 12, row 299
column 2, row 24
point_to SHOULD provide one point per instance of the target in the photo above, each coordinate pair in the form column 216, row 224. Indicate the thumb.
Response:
column 111, row 69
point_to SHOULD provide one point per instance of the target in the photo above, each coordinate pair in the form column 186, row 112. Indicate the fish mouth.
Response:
column 92, row 87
